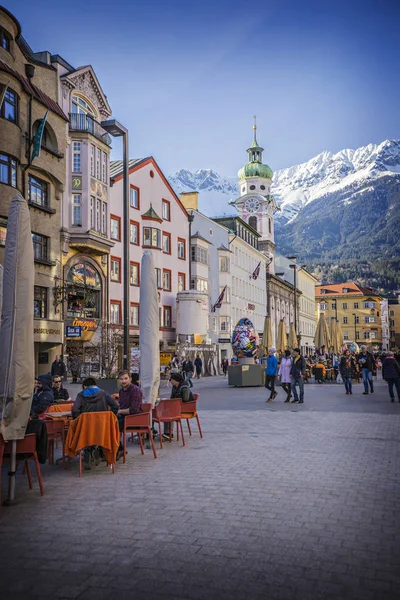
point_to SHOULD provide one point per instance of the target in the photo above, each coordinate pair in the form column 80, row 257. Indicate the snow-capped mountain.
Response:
column 294, row 188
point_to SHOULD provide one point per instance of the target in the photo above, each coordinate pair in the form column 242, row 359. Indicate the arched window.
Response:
column 49, row 139
column 253, row 222
column 82, row 106
column 84, row 291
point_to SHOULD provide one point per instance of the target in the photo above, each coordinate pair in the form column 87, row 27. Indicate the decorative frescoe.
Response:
column 245, row 340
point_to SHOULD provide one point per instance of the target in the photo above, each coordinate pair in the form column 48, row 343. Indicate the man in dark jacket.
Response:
column 367, row 365
column 391, row 373
column 60, row 393
column 198, row 363
column 180, row 389
column 188, row 369
column 58, row 367
column 43, row 397
column 93, row 399
column 297, row 372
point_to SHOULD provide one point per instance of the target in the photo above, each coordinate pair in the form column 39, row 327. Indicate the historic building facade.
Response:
column 29, row 92
column 158, row 222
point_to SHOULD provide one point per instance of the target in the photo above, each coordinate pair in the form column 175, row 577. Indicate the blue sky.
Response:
column 187, row 77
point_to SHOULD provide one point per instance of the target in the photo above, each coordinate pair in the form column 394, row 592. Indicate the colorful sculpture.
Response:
column 245, row 340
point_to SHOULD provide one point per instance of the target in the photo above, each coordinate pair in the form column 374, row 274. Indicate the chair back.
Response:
column 168, row 409
column 146, row 407
column 94, row 429
column 25, row 446
column 54, row 428
column 139, row 420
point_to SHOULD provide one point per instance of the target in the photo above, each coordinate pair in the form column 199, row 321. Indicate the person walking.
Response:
column 270, row 374
column 75, row 368
column 391, row 374
column 188, row 369
column 366, row 363
column 297, row 372
column 224, row 366
column 58, row 368
column 198, row 363
column 284, row 374
column 346, row 366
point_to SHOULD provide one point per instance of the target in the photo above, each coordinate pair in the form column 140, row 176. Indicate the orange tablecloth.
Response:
column 94, row 429
column 60, row 407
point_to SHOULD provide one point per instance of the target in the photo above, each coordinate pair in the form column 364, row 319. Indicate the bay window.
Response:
column 151, row 237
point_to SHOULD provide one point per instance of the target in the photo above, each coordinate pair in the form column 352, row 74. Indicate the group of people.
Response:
column 186, row 367
column 292, row 373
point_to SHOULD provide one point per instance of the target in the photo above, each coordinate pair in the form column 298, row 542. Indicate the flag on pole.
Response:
column 256, row 271
column 37, row 140
column 3, row 94
column 219, row 301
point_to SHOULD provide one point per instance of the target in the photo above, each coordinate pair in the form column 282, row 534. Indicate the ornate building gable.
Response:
column 84, row 80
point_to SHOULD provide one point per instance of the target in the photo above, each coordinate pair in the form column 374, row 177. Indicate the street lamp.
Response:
column 355, row 327
column 294, row 267
column 114, row 128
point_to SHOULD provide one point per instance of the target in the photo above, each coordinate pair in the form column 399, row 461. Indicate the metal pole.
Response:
column 11, row 475
column 126, row 292
column 191, row 219
column 295, row 299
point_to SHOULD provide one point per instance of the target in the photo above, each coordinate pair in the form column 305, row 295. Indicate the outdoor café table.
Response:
column 58, row 412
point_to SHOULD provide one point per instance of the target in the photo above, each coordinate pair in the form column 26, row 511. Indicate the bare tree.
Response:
column 108, row 350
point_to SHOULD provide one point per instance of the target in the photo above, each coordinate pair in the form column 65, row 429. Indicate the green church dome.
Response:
column 255, row 166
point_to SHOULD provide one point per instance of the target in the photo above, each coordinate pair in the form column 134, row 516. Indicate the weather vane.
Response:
column 255, row 125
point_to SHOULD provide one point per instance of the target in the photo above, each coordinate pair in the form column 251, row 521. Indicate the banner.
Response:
column 37, row 141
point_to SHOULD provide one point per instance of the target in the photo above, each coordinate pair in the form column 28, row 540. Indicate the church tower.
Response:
column 255, row 204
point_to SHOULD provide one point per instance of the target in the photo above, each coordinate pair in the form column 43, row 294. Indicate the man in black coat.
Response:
column 43, row 397
column 58, row 367
column 391, row 374
column 198, row 363
column 367, row 365
column 60, row 393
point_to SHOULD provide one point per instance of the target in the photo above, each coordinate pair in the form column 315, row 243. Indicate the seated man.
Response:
column 130, row 401
column 92, row 399
column 43, row 397
column 59, row 391
column 180, row 389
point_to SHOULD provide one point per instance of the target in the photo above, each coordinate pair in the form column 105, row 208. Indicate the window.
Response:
column 134, row 274
column 356, row 319
column 134, row 197
column 225, row 324
column 181, row 282
column 151, row 237
column 167, row 280
column 166, row 210
column 253, row 224
column 3, row 231
column 369, row 304
column 166, row 242
column 76, row 209
column 134, row 233
column 270, row 227
column 181, row 249
column 323, row 306
column 98, row 161
column 115, row 269
column 346, row 335
column 81, row 107
column 91, row 215
column 40, row 302
column 115, row 312
column 98, row 214
column 40, row 247
column 370, row 319
column 104, row 166
column 5, row 39
column 8, row 170
column 38, row 191
column 115, row 228
column 392, row 313
column 167, row 316
column 345, row 320
column 227, row 295
column 334, row 306
column 158, row 278
column 9, row 108
column 214, row 324
column 92, row 155
column 134, row 315
column 199, row 255
column 104, row 218
column 366, row 335
column 199, row 284
column 345, row 305
column 345, row 290
column 357, row 335
column 355, row 304
column 76, row 157
column 392, row 333
column 224, row 264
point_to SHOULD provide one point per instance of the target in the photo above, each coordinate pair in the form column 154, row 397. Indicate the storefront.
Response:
column 48, row 337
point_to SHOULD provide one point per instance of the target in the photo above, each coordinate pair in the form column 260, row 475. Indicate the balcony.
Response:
column 83, row 122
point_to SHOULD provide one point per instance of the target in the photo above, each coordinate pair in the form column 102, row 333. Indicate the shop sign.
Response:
column 73, row 332
column 165, row 358
column 224, row 340
column 85, row 324
column 48, row 331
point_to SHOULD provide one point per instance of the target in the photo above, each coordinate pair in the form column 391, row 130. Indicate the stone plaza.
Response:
column 276, row 501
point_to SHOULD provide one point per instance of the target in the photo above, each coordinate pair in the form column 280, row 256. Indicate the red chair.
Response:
column 55, row 432
column 139, row 424
column 26, row 449
column 189, row 411
column 169, row 411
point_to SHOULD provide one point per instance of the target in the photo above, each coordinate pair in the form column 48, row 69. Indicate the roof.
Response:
column 198, row 236
column 35, row 91
column 117, row 166
column 151, row 214
column 337, row 289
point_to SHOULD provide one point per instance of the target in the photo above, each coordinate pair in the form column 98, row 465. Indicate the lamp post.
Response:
column 114, row 128
column 355, row 327
column 294, row 267
column 190, row 219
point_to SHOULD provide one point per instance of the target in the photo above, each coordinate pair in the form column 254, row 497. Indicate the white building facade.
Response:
column 158, row 222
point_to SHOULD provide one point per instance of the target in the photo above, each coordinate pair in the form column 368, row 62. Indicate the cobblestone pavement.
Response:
column 281, row 501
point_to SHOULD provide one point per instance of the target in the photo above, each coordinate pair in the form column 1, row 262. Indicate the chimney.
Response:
column 190, row 200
